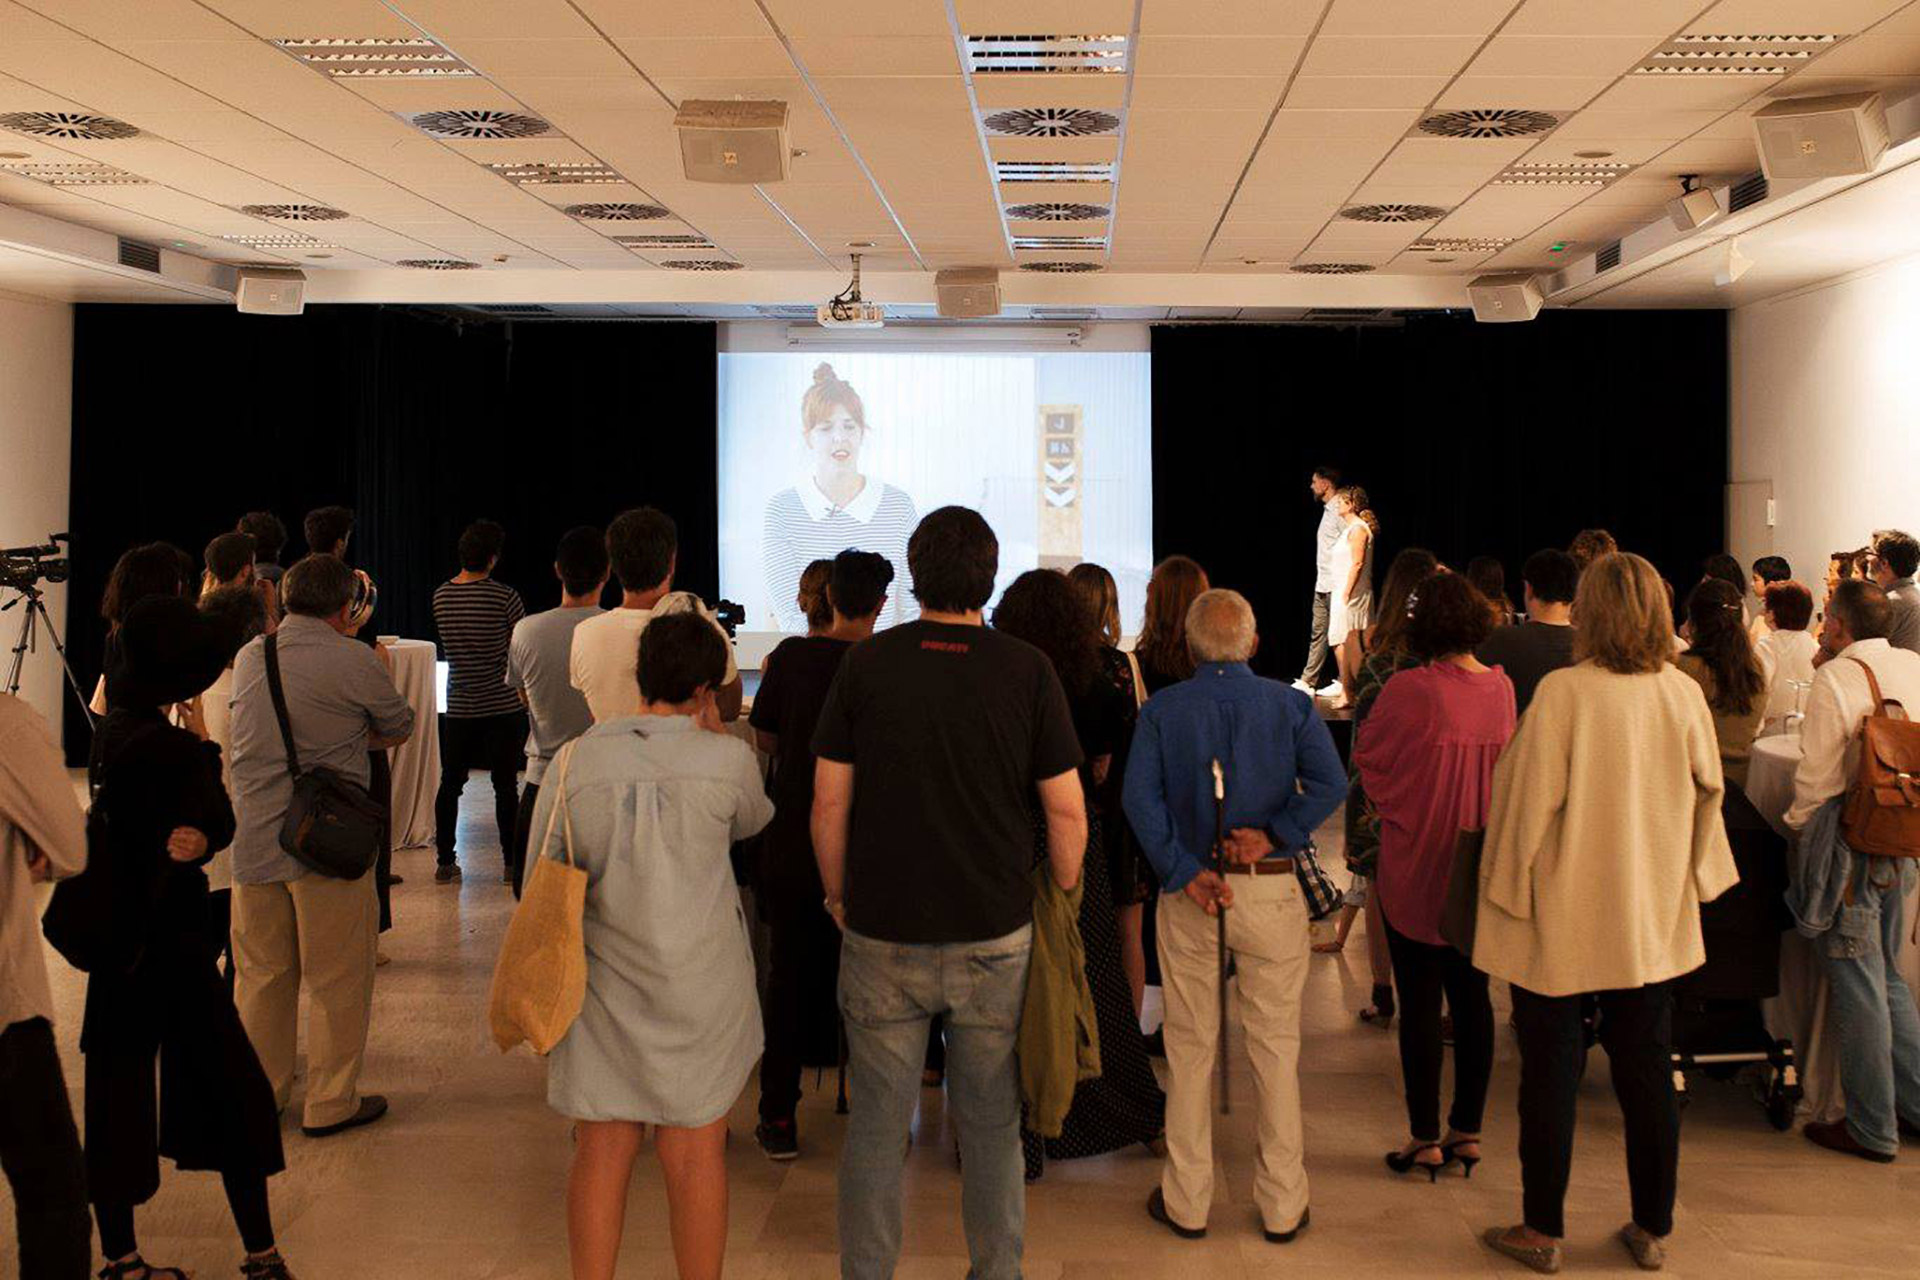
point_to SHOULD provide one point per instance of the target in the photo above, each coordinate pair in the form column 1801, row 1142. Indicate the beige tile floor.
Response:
column 466, row 1177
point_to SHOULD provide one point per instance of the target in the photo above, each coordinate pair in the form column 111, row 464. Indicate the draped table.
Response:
column 1801, row 1011
column 416, row 762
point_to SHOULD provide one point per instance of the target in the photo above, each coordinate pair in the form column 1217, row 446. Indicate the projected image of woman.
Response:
column 837, row 508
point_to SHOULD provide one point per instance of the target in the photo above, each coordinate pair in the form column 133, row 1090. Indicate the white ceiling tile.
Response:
column 505, row 59
column 1579, row 55
column 1549, row 93
column 1063, row 17
column 1232, row 18
column 1215, row 93
column 1104, row 93
column 1312, row 125
column 1415, row 17
column 1683, row 93
column 1239, row 55
column 1635, row 124
column 869, row 17
column 1804, row 17
column 1388, row 55
column 1364, row 92
column 1656, row 19
column 863, row 55
column 708, row 18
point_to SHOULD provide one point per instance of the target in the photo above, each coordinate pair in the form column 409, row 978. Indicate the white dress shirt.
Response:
column 1839, row 701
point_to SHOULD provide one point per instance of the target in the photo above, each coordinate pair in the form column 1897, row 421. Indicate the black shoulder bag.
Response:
column 333, row 825
column 101, row 919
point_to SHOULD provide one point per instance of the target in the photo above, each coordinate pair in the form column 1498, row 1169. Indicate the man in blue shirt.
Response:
column 1283, row 778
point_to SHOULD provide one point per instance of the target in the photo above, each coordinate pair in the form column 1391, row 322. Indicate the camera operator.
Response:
column 42, row 837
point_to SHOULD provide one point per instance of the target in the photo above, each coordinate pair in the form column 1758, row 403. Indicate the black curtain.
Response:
column 1471, row 439
column 185, row 417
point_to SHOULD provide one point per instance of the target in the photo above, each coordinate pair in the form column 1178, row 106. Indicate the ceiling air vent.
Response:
column 1061, row 268
column 1077, row 315
column 1608, row 258
column 666, row 242
column 141, row 257
column 1060, row 242
column 285, row 240
column 1728, row 55
column 788, row 313
column 478, row 123
column 1331, row 268
column 294, row 212
column 1489, row 122
column 1052, row 171
column 618, row 212
column 1561, row 175
column 67, row 124
column 1051, row 122
column 556, row 174
column 1444, row 244
column 1096, row 55
column 1057, row 212
column 700, row 264
column 1747, row 192
column 437, row 264
column 75, row 174
column 513, row 308
column 1346, row 315
column 1393, row 213
column 377, row 57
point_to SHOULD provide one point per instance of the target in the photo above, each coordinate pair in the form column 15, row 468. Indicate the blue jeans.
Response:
column 1874, row 1017
column 888, row 993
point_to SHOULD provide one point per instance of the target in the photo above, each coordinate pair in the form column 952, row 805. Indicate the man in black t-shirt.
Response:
column 801, row 1025
column 1544, row 642
column 932, row 744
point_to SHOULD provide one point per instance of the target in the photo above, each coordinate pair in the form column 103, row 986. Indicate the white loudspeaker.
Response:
column 968, row 292
column 266, row 292
column 1821, row 137
column 1502, row 298
column 1732, row 267
column 1693, row 209
column 733, row 142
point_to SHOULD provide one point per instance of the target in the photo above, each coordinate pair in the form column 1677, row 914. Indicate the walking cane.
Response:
column 1220, row 915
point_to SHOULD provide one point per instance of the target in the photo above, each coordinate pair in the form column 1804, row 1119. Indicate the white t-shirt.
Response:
column 216, row 708
column 605, row 660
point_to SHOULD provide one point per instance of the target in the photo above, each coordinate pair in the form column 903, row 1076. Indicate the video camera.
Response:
column 25, row 568
column 730, row 615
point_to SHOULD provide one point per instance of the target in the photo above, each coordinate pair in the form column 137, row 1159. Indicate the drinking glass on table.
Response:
column 1798, row 716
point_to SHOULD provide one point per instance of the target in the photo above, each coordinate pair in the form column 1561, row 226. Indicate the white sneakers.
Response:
column 1303, row 686
column 1332, row 690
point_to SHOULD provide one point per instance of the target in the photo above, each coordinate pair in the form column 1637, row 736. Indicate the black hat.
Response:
column 168, row 652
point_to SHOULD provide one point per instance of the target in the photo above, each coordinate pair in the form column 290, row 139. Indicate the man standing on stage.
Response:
column 1325, row 481
column 1282, row 778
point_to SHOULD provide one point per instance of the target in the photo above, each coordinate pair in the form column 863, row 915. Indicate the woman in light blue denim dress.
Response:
column 670, row 1027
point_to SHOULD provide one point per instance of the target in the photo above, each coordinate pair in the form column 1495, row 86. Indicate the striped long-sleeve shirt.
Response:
column 475, row 621
column 803, row 526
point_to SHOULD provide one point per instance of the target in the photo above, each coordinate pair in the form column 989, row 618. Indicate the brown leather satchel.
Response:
column 1882, row 813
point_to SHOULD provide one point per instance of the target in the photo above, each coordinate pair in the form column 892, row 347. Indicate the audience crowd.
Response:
column 982, row 831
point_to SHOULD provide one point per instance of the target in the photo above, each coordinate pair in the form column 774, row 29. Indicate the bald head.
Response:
column 1220, row 627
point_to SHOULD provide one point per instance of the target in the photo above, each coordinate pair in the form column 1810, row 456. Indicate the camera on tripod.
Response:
column 25, row 568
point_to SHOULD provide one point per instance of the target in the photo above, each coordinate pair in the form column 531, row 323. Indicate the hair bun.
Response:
column 823, row 374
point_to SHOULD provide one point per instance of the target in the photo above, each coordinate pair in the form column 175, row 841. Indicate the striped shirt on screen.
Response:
column 475, row 621
column 803, row 526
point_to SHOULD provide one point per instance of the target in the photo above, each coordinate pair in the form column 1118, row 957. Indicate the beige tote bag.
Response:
column 541, row 979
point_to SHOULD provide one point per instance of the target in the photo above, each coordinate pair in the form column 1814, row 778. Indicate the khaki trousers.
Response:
column 321, row 930
column 1267, row 935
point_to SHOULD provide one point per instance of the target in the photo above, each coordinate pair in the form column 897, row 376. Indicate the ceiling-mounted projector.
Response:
column 848, row 310
column 1695, row 206
column 733, row 142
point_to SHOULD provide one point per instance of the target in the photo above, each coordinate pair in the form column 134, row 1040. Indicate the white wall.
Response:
column 36, row 427
column 1826, row 405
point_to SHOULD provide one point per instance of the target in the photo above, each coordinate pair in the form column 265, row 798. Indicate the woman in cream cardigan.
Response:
column 1603, row 839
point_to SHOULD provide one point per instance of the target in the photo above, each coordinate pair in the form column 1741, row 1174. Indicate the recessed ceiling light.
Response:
column 701, row 264
column 1053, row 171
column 1458, row 244
column 1060, row 242
column 319, row 255
column 665, row 242
column 1097, row 55
column 282, row 240
column 860, row 244
column 556, row 173
column 437, row 264
column 1585, row 174
column 381, row 57
column 1734, row 55
column 1061, row 268
column 1439, row 259
column 76, row 174
column 1331, row 268
column 1592, row 155
column 14, row 155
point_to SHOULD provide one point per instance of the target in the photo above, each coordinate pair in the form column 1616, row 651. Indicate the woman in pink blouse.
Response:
column 1426, row 755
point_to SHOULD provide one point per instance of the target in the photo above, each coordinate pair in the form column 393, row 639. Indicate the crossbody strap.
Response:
column 280, row 705
column 561, row 809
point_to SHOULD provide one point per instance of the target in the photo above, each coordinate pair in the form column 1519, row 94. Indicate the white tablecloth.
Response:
column 416, row 762
column 1800, row 1012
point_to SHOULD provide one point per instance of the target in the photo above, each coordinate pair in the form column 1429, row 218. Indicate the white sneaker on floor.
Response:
column 1303, row 687
column 1332, row 690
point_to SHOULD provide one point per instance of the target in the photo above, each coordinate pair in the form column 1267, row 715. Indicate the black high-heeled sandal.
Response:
column 1451, row 1150
column 270, row 1267
column 1407, row 1161
column 137, row 1268
column 1380, row 1012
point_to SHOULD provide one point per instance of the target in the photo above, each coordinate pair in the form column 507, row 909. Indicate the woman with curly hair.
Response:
column 1124, row 1104
column 1162, row 648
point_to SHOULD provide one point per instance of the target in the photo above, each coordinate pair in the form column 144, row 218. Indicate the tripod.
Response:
column 31, row 619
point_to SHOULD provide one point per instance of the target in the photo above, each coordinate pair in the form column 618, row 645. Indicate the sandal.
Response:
column 1406, row 1161
column 136, row 1268
column 1380, row 1012
column 270, row 1267
column 1542, row 1258
column 1451, row 1150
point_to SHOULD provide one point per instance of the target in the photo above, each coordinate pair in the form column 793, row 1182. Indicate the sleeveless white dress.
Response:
column 1350, row 614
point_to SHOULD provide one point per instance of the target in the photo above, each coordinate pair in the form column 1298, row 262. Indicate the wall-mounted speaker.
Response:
column 733, row 142
column 968, row 293
column 1832, row 137
column 1499, row 299
column 267, row 292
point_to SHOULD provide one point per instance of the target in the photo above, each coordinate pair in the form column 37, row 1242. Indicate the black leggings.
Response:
column 1423, row 972
column 246, row 1196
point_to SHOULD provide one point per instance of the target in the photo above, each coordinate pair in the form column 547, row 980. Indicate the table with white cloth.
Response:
column 416, row 762
column 1801, row 1011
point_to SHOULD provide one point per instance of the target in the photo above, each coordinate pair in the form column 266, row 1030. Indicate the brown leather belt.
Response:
column 1264, row 867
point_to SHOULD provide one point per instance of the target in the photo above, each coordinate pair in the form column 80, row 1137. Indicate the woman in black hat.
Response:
column 160, row 812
